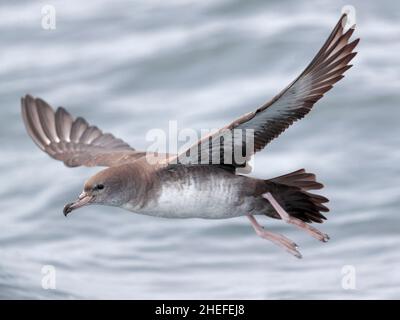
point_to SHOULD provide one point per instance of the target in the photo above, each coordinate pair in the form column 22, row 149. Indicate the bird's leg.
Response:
column 292, row 220
column 278, row 239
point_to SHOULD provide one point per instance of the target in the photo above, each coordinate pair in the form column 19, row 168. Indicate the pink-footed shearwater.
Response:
column 187, row 189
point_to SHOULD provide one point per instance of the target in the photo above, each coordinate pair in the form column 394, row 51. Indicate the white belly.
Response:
column 213, row 199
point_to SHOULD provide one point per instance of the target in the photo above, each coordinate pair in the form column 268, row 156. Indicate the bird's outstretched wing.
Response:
column 290, row 105
column 73, row 141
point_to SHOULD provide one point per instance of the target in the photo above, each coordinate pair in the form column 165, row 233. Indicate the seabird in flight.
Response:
column 184, row 186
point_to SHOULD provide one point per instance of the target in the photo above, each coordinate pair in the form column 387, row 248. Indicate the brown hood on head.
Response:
column 114, row 186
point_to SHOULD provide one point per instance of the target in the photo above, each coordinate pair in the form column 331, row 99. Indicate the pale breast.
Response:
column 198, row 192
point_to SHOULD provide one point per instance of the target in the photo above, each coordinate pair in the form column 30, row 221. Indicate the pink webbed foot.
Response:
column 277, row 239
column 297, row 222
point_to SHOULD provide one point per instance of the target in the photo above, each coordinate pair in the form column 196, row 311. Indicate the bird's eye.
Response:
column 99, row 187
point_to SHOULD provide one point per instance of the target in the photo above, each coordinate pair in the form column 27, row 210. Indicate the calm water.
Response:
column 129, row 66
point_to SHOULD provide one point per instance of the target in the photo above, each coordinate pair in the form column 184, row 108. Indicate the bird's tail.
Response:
column 292, row 192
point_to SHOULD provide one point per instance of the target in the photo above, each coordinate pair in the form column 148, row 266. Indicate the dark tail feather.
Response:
column 291, row 190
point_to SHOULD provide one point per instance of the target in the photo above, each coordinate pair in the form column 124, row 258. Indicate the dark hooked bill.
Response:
column 84, row 199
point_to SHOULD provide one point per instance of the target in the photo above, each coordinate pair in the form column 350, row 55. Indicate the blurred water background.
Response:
column 130, row 66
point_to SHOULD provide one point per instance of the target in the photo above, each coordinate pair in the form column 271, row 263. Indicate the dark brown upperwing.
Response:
column 290, row 105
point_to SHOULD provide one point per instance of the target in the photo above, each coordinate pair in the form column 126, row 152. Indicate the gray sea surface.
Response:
column 131, row 66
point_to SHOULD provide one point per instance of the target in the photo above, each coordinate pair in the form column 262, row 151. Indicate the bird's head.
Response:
column 108, row 187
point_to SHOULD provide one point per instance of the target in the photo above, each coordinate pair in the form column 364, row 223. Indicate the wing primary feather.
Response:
column 78, row 128
column 63, row 124
column 47, row 120
column 32, row 122
column 296, row 100
column 74, row 142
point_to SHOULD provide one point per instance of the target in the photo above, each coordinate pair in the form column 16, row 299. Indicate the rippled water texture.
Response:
column 129, row 66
